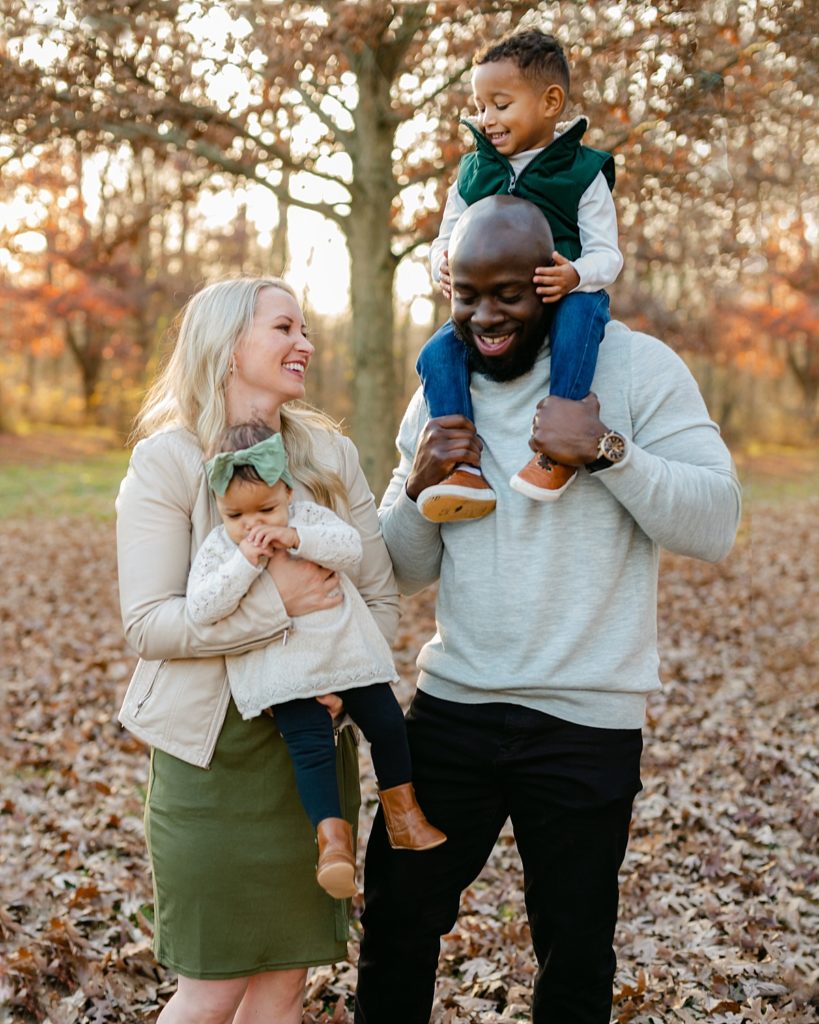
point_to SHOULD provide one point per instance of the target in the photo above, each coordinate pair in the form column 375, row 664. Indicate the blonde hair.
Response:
column 190, row 389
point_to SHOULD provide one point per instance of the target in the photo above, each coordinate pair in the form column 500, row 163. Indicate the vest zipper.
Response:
column 512, row 180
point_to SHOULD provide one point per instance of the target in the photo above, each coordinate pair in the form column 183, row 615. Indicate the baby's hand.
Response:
column 555, row 282
column 445, row 278
column 252, row 551
column 273, row 538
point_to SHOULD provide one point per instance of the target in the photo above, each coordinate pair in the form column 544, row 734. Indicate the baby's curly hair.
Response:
column 539, row 56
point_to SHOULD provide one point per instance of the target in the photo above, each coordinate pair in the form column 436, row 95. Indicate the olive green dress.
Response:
column 233, row 855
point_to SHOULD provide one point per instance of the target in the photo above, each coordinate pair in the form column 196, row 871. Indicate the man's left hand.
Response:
column 568, row 431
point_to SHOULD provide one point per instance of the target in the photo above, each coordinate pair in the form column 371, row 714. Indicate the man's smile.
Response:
column 493, row 345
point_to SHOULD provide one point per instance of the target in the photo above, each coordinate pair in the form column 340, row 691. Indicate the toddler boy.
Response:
column 520, row 87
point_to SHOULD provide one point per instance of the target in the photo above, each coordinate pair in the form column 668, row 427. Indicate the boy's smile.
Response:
column 513, row 113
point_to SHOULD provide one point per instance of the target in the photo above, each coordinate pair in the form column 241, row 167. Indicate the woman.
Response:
column 239, row 915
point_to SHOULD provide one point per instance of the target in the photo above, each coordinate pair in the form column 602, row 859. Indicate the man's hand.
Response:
column 552, row 283
column 444, row 442
column 567, row 431
column 273, row 538
column 445, row 279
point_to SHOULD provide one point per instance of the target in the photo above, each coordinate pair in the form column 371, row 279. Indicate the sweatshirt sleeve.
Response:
column 413, row 542
column 154, row 509
column 678, row 480
column 218, row 580
column 324, row 538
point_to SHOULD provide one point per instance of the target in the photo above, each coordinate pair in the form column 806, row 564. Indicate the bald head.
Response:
column 496, row 227
column 496, row 311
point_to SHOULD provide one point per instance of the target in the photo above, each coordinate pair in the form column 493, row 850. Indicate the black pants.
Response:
column 307, row 730
column 568, row 790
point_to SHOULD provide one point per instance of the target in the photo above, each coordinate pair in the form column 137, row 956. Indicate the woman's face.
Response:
column 271, row 360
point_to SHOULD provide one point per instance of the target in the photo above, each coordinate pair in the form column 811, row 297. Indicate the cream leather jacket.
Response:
column 179, row 694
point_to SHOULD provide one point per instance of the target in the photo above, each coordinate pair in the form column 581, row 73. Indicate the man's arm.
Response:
column 413, row 542
column 677, row 480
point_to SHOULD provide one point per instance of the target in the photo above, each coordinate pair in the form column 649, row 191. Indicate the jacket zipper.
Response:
column 150, row 689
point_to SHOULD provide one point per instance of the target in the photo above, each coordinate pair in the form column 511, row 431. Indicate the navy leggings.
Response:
column 307, row 729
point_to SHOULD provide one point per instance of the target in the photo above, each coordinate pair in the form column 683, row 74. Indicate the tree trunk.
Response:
column 375, row 391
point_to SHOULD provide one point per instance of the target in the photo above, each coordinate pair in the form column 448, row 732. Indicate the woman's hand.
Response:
column 333, row 703
column 303, row 586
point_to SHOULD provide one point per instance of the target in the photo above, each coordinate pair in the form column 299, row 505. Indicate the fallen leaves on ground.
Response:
column 720, row 889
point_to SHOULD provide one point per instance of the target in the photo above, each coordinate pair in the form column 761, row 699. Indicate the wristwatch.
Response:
column 611, row 449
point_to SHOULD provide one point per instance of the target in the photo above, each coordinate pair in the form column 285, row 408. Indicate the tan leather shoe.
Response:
column 462, row 495
column 407, row 826
column 542, row 479
column 335, row 872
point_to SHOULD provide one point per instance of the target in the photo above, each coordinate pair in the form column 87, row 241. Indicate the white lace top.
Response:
column 324, row 652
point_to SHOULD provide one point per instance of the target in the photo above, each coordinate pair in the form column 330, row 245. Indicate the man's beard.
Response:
column 521, row 361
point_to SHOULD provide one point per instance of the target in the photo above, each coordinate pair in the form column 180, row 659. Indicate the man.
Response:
column 531, row 694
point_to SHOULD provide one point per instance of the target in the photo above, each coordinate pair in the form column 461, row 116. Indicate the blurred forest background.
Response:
column 152, row 146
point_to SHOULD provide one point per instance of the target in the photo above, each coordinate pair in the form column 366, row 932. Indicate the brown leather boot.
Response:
column 335, row 871
column 407, row 827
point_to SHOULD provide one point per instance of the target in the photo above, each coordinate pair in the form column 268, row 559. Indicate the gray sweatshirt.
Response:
column 554, row 605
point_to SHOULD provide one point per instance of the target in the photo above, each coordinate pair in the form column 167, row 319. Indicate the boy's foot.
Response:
column 335, row 871
column 460, row 496
column 542, row 479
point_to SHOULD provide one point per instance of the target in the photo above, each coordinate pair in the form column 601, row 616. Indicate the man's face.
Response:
column 495, row 308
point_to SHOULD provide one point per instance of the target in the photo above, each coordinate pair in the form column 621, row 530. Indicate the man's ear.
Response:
column 554, row 100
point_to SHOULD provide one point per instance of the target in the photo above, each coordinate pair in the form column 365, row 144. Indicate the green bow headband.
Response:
column 268, row 458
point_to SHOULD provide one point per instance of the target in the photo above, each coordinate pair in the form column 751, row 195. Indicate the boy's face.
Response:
column 513, row 113
column 247, row 503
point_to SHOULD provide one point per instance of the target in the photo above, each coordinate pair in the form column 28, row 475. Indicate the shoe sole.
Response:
column 538, row 493
column 338, row 880
column 455, row 508
column 418, row 849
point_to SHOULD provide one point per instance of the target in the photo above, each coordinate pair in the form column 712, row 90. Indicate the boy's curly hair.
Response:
column 539, row 56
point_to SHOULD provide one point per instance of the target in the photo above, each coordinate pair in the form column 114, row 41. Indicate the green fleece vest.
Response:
column 554, row 180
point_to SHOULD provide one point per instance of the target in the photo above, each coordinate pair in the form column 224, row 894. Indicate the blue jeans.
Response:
column 577, row 329
column 307, row 730
column 568, row 790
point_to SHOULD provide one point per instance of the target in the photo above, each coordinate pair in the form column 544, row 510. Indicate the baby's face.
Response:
column 248, row 503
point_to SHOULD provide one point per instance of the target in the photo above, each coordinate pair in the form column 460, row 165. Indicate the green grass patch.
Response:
column 84, row 487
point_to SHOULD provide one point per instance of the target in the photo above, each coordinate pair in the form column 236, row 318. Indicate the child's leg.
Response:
column 443, row 366
column 575, row 334
column 307, row 729
column 377, row 713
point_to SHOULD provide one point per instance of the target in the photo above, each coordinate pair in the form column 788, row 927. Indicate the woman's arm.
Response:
column 374, row 580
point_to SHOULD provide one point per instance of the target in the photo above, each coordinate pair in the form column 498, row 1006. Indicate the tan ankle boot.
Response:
column 407, row 827
column 335, row 871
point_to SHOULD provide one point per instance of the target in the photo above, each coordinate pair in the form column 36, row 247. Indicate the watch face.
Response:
column 612, row 447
